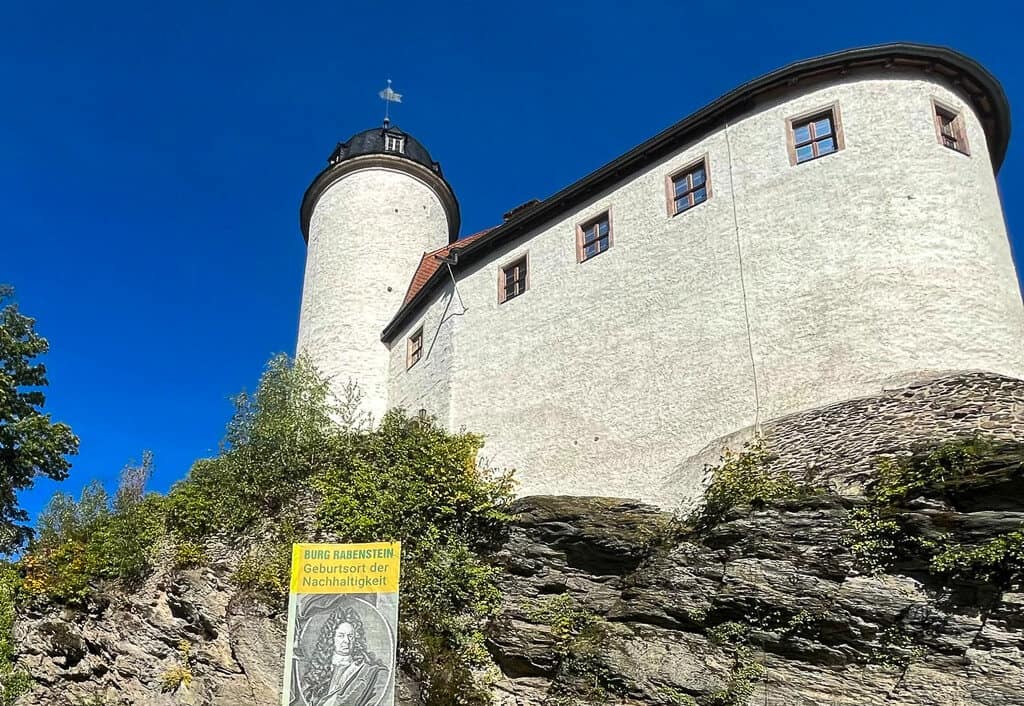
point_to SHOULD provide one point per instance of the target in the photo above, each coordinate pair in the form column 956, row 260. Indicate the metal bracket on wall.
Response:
column 451, row 259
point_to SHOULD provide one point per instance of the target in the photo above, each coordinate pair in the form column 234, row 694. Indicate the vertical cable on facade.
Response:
column 743, row 285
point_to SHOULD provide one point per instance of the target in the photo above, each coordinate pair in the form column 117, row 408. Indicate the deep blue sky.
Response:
column 152, row 158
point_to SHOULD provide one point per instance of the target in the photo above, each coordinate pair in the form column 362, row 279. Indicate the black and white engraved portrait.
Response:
column 343, row 651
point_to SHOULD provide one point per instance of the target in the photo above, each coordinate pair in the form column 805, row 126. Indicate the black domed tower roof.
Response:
column 376, row 141
column 386, row 146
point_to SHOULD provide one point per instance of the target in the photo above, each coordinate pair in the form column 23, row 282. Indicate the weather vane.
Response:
column 389, row 97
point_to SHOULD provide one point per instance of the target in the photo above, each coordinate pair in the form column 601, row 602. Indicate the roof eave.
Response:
column 974, row 81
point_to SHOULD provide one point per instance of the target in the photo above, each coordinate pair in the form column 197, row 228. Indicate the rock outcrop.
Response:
column 605, row 603
column 822, row 633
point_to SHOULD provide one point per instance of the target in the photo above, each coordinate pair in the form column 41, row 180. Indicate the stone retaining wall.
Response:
column 835, row 445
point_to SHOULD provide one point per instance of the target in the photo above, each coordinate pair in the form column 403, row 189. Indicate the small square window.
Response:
column 415, row 348
column 514, row 280
column 689, row 188
column 949, row 128
column 393, row 142
column 815, row 135
column 593, row 237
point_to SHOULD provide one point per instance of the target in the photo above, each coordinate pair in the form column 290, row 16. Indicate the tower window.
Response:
column 415, row 348
column 815, row 135
column 514, row 280
column 689, row 187
column 394, row 143
column 949, row 128
column 593, row 237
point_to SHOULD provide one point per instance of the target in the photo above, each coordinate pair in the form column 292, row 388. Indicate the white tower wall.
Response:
column 367, row 233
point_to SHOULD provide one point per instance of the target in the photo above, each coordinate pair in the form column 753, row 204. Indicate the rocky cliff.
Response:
column 607, row 601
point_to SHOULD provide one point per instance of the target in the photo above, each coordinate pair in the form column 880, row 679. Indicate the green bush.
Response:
column 939, row 471
column 873, row 540
column 734, row 638
column 564, row 615
column 181, row 673
column 999, row 561
column 583, row 675
column 744, row 478
column 13, row 681
column 95, row 538
column 188, row 555
column 277, row 438
column 895, row 649
column 743, row 677
column 877, row 538
column 729, row 634
column 265, row 569
column 407, row 478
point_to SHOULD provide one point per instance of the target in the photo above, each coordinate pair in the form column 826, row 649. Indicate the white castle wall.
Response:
column 427, row 385
column 368, row 232
column 885, row 260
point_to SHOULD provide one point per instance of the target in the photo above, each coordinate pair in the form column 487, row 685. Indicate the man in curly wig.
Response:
column 343, row 672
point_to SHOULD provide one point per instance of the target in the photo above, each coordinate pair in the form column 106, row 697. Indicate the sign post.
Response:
column 342, row 625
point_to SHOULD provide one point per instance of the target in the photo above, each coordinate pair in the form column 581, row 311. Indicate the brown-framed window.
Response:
column 593, row 237
column 815, row 135
column 415, row 348
column 689, row 187
column 514, row 279
column 950, row 129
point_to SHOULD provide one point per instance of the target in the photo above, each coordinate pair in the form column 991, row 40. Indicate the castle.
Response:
column 815, row 235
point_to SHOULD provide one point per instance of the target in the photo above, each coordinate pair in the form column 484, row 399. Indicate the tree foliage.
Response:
column 95, row 538
column 13, row 681
column 298, row 465
column 280, row 435
column 292, row 444
column 31, row 444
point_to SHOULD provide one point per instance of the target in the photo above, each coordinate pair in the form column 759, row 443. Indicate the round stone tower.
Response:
column 367, row 220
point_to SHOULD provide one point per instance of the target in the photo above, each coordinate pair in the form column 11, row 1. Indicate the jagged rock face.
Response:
column 824, row 634
column 893, row 638
column 117, row 651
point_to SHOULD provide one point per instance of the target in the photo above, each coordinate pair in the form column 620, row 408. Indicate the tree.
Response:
column 31, row 444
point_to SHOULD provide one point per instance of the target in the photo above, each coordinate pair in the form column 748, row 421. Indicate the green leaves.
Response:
column 939, row 472
column 999, row 560
column 744, row 478
column 298, row 463
column 31, row 444
column 95, row 538
column 879, row 536
column 411, row 481
column 13, row 681
column 281, row 434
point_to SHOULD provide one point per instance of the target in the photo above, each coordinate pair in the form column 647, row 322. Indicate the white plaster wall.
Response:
column 894, row 260
column 879, row 262
column 588, row 382
column 427, row 385
column 367, row 234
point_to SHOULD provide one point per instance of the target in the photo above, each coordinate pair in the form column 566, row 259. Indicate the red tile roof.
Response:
column 430, row 263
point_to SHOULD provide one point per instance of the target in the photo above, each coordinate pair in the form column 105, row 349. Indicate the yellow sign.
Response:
column 346, row 568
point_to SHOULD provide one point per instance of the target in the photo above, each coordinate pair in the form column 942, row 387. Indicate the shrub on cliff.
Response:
column 743, row 478
column 13, row 681
column 298, row 465
column 96, row 538
column 288, row 429
column 880, row 535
